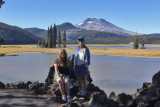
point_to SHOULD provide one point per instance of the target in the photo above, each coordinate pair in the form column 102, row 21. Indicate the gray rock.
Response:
column 98, row 99
column 40, row 91
column 112, row 96
column 28, row 83
column 20, row 85
column 146, row 84
column 10, row 85
column 72, row 104
column 2, row 85
column 157, row 104
column 111, row 103
column 156, row 79
column 34, row 86
column 124, row 100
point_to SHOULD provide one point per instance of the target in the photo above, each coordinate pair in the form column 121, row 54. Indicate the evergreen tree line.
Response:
column 53, row 38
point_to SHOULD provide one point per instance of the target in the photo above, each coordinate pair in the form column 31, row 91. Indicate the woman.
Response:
column 62, row 67
column 81, row 65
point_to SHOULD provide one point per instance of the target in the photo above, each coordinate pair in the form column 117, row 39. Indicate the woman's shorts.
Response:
column 63, row 76
column 80, row 70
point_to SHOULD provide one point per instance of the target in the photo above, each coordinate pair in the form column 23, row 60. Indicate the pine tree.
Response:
column 142, row 43
column 135, row 43
column 39, row 43
column 47, row 36
column 54, row 35
column 64, row 39
column 50, row 40
column 43, row 44
column 59, row 38
column 46, row 44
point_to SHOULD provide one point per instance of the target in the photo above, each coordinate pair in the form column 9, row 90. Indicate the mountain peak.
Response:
column 102, row 25
column 66, row 26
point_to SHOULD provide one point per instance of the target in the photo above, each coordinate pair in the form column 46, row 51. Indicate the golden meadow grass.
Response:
column 20, row 46
column 128, row 52
column 17, row 49
column 149, row 45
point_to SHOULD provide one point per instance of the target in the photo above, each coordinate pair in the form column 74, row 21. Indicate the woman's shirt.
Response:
column 86, row 56
column 81, row 56
column 62, row 70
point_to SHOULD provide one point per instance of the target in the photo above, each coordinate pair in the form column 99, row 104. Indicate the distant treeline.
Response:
column 98, row 37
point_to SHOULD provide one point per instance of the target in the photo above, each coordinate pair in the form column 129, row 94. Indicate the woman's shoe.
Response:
column 68, row 99
column 64, row 98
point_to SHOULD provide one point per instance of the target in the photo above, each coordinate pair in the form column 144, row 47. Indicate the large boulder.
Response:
column 157, row 104
column 149, row 94
column 34, row 86
column 156, row 79
column 2, row 85
column 21, row 85
column 38, row 88
column 112, row 96
column 124, row 100
column 50, row 77
column 98, row 99
column 10, row 85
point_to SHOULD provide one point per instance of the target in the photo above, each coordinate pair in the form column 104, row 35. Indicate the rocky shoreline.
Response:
column 147, row 96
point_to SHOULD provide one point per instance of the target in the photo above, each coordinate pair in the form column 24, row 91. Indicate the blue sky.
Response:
column 142, row 16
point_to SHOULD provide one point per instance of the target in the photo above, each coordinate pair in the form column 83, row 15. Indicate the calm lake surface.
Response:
column 110, row 73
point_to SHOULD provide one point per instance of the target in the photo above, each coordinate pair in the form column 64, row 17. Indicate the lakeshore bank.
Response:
column 20, row 49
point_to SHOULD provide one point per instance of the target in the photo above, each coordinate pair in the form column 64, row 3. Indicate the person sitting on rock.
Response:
column 62, row 69
column 81, row 64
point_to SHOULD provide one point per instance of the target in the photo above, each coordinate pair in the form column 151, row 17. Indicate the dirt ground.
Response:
column 22, row 98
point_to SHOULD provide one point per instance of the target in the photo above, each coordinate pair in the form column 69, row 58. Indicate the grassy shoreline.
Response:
column 20, row 49
column 33, row 45
column 2, row 54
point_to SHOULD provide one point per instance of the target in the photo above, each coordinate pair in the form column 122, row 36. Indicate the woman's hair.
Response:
column 63, row 62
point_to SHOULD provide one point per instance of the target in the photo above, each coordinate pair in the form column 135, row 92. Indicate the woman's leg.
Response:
column 80, row 82
column 67, row 89
column 61, row 86
column 84, row 82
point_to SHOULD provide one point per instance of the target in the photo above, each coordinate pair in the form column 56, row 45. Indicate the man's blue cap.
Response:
column 81, row 38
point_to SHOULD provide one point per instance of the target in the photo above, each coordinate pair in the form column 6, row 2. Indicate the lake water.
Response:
column 110, row 73
column 114, row 47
